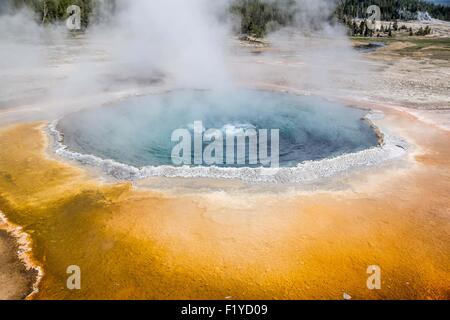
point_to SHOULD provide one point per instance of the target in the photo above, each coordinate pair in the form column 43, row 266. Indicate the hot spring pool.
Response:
column 136, row 133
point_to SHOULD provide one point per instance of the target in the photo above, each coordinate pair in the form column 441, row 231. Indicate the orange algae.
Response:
column 212, row 245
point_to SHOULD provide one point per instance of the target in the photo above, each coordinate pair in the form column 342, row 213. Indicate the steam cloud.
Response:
column 185, row 43
column 183, row 40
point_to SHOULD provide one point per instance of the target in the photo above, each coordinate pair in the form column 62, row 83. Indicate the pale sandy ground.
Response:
column 416, row 82
column 411, row 85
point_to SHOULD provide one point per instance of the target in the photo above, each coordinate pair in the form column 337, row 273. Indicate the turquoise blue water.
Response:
column 137, row 131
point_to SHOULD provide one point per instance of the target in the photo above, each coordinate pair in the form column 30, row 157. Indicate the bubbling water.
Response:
column 137, row 131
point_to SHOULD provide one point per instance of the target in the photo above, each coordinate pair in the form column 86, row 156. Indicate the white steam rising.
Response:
column 181, row 40
column 181, row 43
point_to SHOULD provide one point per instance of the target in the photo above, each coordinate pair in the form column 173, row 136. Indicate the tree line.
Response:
column 257, row 17
column 362, row 30
column 393, row 9
column 49, row 11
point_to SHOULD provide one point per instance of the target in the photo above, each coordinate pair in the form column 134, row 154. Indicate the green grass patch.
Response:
column 433, row 48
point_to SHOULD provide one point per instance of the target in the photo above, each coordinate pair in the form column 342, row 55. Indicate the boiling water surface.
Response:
column 138, row 131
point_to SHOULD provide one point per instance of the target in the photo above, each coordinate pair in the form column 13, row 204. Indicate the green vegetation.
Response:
column 361, row 29
column 258, row 17
column 392, row 9
column 49, row 11
column 433, row 48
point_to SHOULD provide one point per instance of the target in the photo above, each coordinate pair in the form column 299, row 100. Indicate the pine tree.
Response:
column 366, row 30
column 362, row 26
column 395, row 26
column 355, row 28
column 420, row 32
column 44, row 11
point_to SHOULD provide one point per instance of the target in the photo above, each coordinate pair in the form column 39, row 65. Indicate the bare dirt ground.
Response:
column 15, row 281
